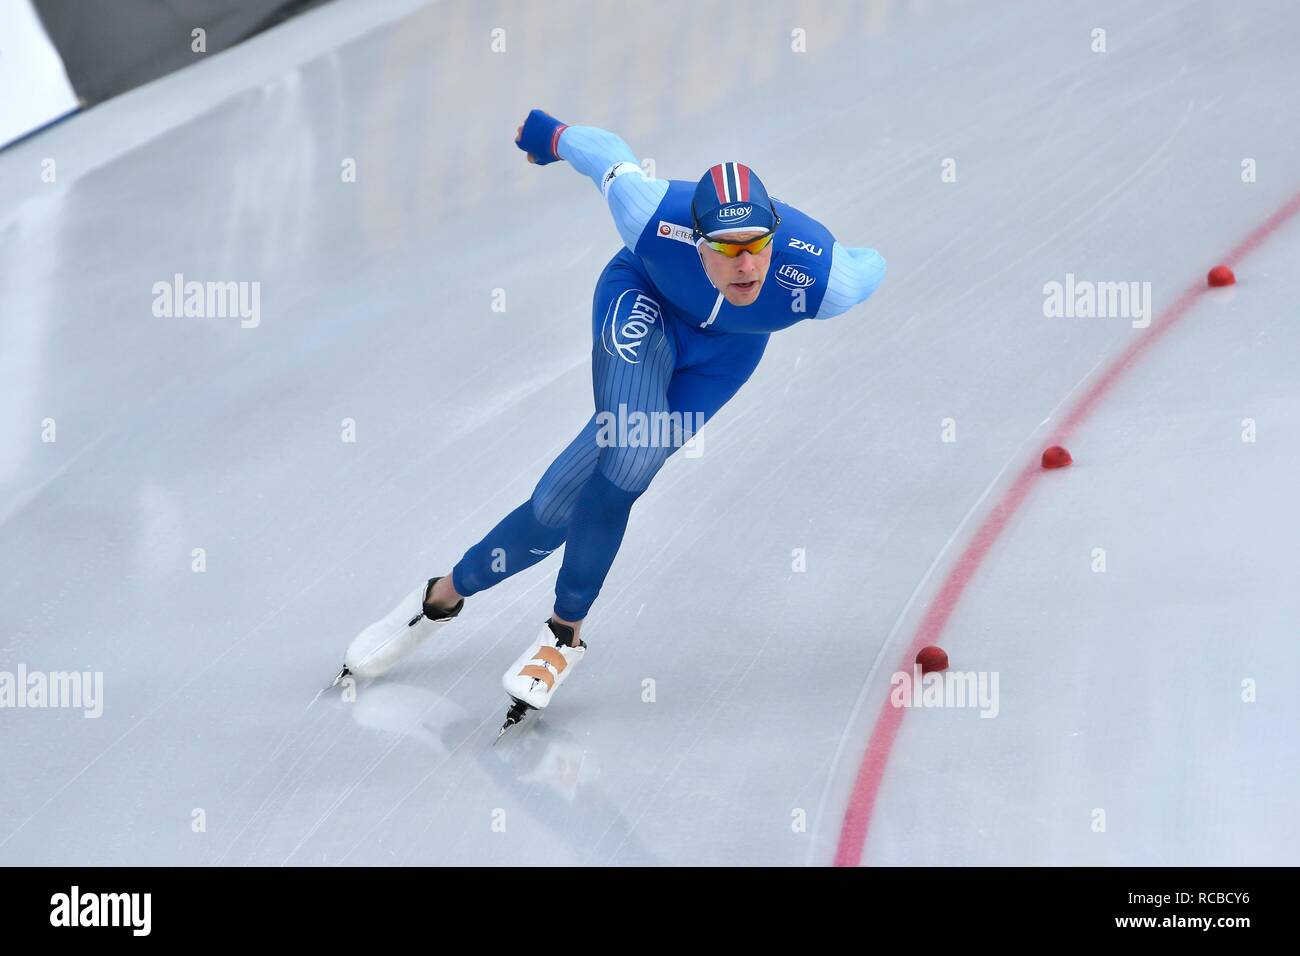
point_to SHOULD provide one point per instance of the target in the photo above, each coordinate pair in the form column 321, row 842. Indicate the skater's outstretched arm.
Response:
column 855, row 273
column 603, row 158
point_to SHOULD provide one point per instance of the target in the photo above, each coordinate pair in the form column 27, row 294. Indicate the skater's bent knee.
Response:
column 632, row 469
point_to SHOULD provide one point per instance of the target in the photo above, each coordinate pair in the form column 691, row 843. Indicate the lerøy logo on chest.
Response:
column 794, row 276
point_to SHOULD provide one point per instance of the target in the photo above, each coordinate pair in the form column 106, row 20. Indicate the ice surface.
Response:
column 1119, row 691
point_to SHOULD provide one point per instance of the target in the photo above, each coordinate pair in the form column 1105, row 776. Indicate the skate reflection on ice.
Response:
column 569, row 800
column 406, row 711
column 553, row 776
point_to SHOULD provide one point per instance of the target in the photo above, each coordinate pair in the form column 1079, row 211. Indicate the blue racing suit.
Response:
column 667, row 352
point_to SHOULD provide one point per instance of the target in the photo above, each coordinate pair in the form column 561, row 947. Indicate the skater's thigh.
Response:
column 714, row 375
column 632, row 364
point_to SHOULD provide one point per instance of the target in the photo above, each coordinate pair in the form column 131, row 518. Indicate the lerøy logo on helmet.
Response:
column 734, row 213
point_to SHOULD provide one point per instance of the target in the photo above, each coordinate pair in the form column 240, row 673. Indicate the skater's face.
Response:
column 739, row 279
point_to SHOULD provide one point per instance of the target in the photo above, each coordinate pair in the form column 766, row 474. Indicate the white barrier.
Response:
column 34, row 89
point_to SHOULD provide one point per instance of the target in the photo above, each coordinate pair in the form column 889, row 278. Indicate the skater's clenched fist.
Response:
column 539, row 137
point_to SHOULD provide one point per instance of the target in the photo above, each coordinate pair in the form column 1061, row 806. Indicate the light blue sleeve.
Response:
column 609, row 163
column 855, row 273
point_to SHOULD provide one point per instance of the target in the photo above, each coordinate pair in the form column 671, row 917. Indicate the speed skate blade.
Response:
column 517, row 712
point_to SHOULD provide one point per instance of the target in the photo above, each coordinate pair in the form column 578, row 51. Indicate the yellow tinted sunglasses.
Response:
column 733, row 249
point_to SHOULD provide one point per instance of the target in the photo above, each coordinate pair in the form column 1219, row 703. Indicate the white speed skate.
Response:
column 544, row 665
column 383, row 643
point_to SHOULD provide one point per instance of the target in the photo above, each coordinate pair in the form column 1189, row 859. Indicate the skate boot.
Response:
column 547, row 663
column 383, row 643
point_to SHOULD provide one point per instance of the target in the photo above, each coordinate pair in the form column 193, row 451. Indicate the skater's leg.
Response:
column 632, row 366
column 595, row 535
column 530, row 532
column 718, row 367
column 539, row 526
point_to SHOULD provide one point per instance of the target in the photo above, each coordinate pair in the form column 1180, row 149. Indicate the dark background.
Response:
column 111, row 46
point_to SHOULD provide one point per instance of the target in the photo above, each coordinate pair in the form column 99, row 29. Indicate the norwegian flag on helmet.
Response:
column 731, row 180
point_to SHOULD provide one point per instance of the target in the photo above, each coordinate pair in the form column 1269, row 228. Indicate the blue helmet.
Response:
column 731, row 198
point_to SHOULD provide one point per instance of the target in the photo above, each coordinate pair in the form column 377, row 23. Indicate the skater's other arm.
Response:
column 603, row 158
column 855, row 273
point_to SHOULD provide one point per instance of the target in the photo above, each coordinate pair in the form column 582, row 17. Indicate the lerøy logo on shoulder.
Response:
column 793, row 276
column 672, row 230
column 731, row 214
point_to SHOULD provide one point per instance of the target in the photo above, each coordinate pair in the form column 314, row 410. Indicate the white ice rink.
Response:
column 1147, row 713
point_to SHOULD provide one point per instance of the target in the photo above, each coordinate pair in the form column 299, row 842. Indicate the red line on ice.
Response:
column 866, row 787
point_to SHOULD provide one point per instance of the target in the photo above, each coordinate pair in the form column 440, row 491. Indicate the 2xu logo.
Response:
column 805, row 246
column 792, row 277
